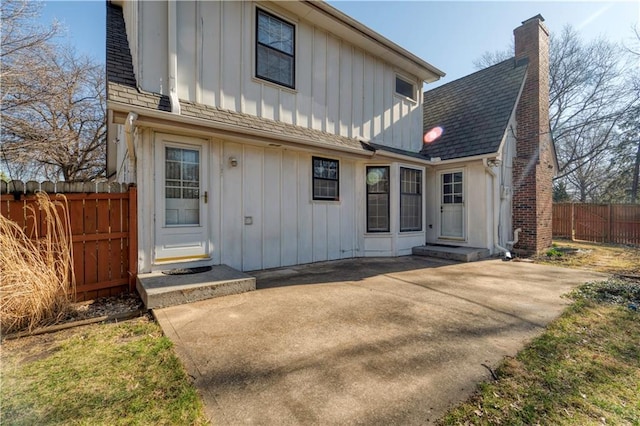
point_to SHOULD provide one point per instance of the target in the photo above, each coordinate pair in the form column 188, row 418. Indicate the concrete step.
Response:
column 159, row 290
column 460, row 254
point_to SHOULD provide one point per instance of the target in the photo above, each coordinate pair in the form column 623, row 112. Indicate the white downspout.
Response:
column 496, row 210
column 129, row 129
column 515, row 238
column 173, row 56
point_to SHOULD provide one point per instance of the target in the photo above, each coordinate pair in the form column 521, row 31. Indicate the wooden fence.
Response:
column 605, row 223
column 103, row 229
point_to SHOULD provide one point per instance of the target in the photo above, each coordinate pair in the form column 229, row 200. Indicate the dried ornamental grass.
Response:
column 36, row 273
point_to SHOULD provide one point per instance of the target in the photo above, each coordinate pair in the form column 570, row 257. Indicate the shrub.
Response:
column 615, row 291
column 37, row 272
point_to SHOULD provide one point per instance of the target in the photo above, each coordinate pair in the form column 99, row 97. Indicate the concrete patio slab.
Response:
column 364, row 341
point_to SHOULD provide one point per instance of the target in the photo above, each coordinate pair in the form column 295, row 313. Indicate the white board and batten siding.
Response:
column 268, row 202
column 261, row 213
column 339, row 88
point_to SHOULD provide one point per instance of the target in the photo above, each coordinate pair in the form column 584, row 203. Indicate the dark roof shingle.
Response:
column 473, row 111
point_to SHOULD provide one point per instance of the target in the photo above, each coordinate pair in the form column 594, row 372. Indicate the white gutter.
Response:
column 172, row 56
column 483, row 157
column 129, row 129
column 496, row 214
column 496, row 211
column 380, row 152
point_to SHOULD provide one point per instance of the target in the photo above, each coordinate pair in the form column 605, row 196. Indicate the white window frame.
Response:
column 420, row 195
column 414, row 97
column 465, row 178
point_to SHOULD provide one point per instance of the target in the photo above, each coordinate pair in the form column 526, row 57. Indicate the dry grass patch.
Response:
column 37, row 270
column 608, row 258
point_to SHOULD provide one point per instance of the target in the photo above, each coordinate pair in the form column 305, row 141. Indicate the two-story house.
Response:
column 247, row 128
column 263, row 134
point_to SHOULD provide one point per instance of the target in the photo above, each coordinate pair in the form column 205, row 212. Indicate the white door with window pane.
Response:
column 452, row 205
column 181, row 199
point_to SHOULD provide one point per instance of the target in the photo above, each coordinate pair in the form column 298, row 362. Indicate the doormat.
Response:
column 187, row 271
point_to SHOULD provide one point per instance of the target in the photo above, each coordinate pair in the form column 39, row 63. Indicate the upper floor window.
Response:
column 275, row 50
column 405, row 88
column 325, row 179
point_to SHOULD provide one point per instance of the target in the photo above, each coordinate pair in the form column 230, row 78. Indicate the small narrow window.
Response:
column 275, row 49
column 325, row 179
column 405, row 88
column 378, row 199
column 410, row 199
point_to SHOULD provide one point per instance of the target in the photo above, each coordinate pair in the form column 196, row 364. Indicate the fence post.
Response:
column 133, row 237
column 573, row 229
column 609, row 225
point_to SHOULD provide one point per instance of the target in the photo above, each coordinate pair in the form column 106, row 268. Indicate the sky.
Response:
column 449, row 35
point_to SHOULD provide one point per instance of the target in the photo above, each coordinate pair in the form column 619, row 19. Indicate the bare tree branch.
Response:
column 591, row 98
column 53, row 101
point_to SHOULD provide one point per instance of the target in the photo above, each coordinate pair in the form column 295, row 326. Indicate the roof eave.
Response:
column 321, row 13
column 465, row 159
column 407, row 158
column 166, row 120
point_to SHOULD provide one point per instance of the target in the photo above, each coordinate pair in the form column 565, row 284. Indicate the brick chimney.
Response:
column 533, row 167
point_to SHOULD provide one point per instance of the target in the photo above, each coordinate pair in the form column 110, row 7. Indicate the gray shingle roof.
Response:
column 473, row 111
column 121, row 80
column 122, row 88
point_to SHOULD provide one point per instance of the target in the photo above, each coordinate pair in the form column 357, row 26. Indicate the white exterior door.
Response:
column 181, row 199
column 452, row 205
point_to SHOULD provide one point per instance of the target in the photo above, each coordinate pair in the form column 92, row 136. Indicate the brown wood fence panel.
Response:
column 625, row 227
column 562, row 224
column 104, row 242
column 604, row 223
column 590, row 222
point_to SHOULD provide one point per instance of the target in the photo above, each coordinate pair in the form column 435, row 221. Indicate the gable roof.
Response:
column 322, row 14
column 473, row 111
column 124, row 95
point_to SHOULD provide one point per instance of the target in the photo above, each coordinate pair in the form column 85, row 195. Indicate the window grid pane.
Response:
column 275, row 49
column 325, row 178
column 378, row 213
column 410, row 199
column 378, row 199
column 452, row 188
column 182, row 182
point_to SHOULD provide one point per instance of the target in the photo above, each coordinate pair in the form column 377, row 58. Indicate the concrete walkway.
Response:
column 365, row 341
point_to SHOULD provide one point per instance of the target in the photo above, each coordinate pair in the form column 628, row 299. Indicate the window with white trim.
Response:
column 326, row 184
column 378, row 199
column 410, row 199
column 275, row 49
column 182, row 186
column 405, row 88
